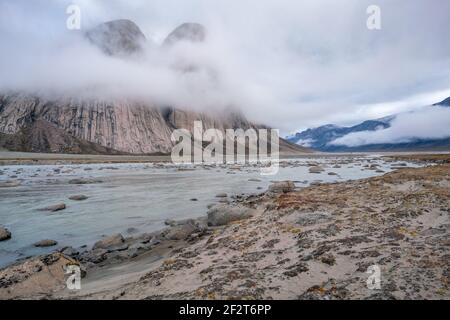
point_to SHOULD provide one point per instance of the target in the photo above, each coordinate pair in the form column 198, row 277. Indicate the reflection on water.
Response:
column 135, row 197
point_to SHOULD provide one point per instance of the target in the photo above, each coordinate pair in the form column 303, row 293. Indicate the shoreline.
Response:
column 314, row 243
column 8, row 158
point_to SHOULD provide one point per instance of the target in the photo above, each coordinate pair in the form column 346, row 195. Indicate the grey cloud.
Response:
column 289, row 64
column 426, row 123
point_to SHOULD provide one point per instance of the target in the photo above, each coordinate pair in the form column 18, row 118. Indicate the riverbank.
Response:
column 28, row 158
column 311, row 243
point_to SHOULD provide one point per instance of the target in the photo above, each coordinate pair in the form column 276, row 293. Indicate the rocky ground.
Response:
column 286, row 243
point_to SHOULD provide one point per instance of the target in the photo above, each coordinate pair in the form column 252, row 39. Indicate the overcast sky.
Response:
column 288, row 64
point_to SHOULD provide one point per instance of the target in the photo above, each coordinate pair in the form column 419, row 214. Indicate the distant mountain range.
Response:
column 321, row 138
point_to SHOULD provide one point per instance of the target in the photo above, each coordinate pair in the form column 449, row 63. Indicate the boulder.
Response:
column 181, row 232
column 221, row 195
column 111, row 242
column 45, row 243
column 221, row 214
column 38, row 276
column 5, row 234
column 170, row 222
column 54, row 208
column 316, row 169
column 69, row 251
column 78, row 197
column 282, row 187
column 94, row 256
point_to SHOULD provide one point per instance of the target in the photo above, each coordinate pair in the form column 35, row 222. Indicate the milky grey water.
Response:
column 134, row 197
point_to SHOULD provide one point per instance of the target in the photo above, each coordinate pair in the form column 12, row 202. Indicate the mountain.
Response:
column 123, row 126
column 191, row 32
column 320, row 138
column 38, row 123
column 117, row 38
column 443, row 103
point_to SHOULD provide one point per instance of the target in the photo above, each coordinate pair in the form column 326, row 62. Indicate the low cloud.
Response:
column 288, row 64
column 426, row 123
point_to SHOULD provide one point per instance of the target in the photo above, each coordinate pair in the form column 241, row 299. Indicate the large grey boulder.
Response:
column 181, row 232
column 111, row 242
column 222, row 214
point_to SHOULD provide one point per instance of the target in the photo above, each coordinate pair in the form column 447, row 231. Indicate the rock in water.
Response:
column 46, row 243
column 54, row 208
column 78, row 197
column 221, row 195
column 109, row 242
column 117, row 38
column 192, row 32
column 316, row 169
column 282, row 187
column 5, row 234
column 221, row 214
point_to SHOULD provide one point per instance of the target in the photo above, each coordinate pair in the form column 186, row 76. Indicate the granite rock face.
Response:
column 121, row 126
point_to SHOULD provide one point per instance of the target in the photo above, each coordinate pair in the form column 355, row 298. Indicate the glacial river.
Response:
column 136, row 198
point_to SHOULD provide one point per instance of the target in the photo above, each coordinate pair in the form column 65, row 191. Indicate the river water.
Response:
column 136, row 198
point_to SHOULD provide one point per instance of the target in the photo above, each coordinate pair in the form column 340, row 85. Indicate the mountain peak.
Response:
column 445, row 103
column 189, row 31
column 117, row 38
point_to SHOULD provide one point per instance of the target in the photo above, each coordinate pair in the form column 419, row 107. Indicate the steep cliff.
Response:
column 120, row 125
